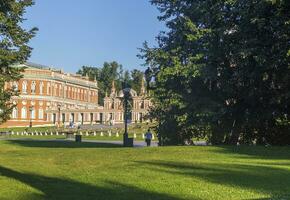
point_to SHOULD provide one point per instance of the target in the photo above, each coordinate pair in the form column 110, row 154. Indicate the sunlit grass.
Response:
column 68, row 170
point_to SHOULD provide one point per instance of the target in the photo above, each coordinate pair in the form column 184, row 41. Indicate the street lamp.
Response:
column 58, row 108
column 148, row 77
column 30, row 110
column 126, row 96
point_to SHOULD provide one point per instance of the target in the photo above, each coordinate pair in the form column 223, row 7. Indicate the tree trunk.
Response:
column 235, row 134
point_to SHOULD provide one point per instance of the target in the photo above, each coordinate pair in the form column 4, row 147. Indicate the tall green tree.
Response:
column 137, row 77
column 105, row 75
column 14, row 49
column 221, row 70
column 109, row 72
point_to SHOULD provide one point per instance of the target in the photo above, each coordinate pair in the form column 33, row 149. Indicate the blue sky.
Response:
column 73, row 33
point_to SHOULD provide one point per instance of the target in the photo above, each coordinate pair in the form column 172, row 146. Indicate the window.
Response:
column 60, row 90
column 24, row 87
column 55, row 90
column 48, row 89
column 40, row 113
column 14, row 113
column 41, row 88
column 65, row 91
column 15, row 86
column 23, row 113
column 32, row 113
column 33, row 86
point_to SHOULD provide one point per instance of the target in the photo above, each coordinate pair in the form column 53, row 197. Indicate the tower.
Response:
column 142, row 89
column 113, row 89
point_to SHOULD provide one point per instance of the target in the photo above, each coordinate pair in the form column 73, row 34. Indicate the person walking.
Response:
column 148, row 137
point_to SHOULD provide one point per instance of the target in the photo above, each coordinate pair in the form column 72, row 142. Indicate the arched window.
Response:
column 33, row 87
column 41, row 85
column 69, row 92
column 40, row 113
column 24, row 87
column 14, row 113
column 32, row 113
column 55, row 90
column 23, row 113
column 85, row 95
column 65, row 91
column 48, row 89
column 60, row 90
column 15, row 86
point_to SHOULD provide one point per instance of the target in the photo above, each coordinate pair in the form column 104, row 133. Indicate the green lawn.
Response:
column 135, row 131
column 74, row 171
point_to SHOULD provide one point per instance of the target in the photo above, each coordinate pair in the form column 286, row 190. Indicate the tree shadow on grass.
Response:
column 268, row 180
column 261, row 152
column 63, row 189
column 62, row 144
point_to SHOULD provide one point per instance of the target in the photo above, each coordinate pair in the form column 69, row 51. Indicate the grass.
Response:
column 66, row 170
column 135, row 130
column 27, row 129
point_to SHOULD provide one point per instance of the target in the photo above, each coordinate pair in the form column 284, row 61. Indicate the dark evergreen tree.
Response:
column 13, row 49
column 222, row 70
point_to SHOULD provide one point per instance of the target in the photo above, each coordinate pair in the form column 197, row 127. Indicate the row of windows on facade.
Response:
column 76, row 92
column 24, row 113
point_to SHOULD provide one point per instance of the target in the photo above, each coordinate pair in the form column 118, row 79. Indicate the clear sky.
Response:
column 73, row 33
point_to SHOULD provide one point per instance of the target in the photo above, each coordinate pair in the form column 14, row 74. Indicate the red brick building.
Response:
column 50, row 97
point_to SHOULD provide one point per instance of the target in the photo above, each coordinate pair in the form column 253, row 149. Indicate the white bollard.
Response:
column 143, row 136
column 87, row 133
column 36, row 133
column 45, row 133
column 135, row 136
column 17, row 133
column 12, row 133
column 32, row 133
column 102, row 134
column 95, row 133
column 51, row 133
column 81, row 133
column 110, row 134
column 40, row 133
column 21, row 133
column 56, row 132
column 63, row 134
column 117, row 134
column 152, row 136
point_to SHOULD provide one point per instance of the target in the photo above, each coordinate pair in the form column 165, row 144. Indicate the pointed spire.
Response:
column 95, row 78
column 113, row 90
column 87, row 76
column 106, row 95
column 142, row 89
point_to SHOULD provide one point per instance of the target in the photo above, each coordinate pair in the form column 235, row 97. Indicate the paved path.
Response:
column 136, row 143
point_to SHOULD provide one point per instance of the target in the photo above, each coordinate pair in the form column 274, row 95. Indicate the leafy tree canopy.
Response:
column 109, row 72
column 13, row 49
column 222, row 71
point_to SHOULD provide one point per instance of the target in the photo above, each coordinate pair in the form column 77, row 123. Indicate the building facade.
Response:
column 113, row 106
column 50, row 97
